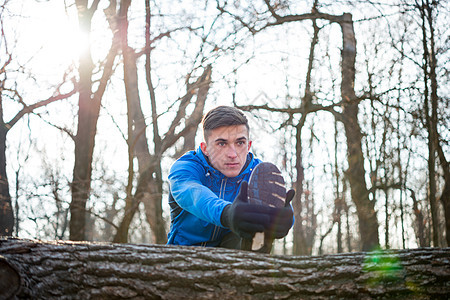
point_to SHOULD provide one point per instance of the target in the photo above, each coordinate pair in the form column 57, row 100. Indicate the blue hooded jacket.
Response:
column 198, row 195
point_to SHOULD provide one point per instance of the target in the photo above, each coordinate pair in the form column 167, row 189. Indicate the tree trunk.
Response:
column 84, row 140
column 445, row 196
column 420, row 221
column 72, row 270
column 6, row 211
column 89, row 108
column 368, row 223
column 138, row 145
column 298, row 232
column 153, row 203
column 339, row 200
column 430, row 117
column 305, row 225
column 304, row 234
column 445, row 199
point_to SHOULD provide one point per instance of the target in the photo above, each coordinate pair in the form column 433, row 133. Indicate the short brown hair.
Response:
column 223, row 116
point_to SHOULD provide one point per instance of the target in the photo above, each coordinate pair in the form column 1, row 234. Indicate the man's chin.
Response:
column 231, row 173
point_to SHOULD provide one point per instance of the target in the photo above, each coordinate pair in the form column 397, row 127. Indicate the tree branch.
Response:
column 31, row 108
column 170, row 137
column 272, row 10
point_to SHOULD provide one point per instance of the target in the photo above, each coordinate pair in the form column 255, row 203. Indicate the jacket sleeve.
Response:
column 185, row 179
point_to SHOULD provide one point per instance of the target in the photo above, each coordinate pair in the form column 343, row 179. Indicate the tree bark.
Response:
column 432, row 123
column 298, row 232
column 430, row 117
column 445, row 196
column 6, row 211
column 368, row 223
column 88, row 113
column 445, row 199
column 84, row 140
column 80, row 270
column 304, row 234
column 420, row 221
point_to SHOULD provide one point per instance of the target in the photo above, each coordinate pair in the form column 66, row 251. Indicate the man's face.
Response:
column 227, row 148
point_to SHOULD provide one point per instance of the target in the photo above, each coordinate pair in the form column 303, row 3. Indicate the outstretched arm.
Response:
column 187, row 187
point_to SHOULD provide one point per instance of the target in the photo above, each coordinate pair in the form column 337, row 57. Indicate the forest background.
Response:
column 349, row 98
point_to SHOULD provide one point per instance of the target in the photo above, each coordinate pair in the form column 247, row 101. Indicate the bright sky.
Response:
column 49, row 34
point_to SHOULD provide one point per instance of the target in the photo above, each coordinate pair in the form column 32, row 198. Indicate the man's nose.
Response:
column 232, row 153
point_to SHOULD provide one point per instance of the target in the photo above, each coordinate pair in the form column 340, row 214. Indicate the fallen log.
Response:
column 86, row 270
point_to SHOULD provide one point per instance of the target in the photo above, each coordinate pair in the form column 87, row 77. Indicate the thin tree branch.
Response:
column 272, row 10
column 31, row 108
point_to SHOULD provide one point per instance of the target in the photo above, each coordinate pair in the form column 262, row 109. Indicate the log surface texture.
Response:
column 31, row 269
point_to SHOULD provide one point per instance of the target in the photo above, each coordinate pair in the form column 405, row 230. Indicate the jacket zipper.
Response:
column 223, row 184
column 221, row 196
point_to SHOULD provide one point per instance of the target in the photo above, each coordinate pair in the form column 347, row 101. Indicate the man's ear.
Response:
column 203, row 147
column 249, row 145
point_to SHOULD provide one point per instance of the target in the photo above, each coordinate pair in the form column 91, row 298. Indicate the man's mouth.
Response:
column 232, row 164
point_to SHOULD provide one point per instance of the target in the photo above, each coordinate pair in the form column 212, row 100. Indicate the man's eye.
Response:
column 221, row 144
column 240, row 143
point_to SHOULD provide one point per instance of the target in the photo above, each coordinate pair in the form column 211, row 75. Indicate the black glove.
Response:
column 282, row 218
column 246, row 219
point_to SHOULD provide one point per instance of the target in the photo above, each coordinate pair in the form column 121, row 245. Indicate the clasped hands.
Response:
column 245, row 219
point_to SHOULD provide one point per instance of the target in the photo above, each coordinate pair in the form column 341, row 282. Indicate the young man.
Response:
column 208, row 188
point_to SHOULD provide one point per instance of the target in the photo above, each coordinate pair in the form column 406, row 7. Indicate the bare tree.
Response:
column 89, row 108
column 149, row 184
column 427, row 10
column 368, row 223
column 12, row 92
column 430, row 122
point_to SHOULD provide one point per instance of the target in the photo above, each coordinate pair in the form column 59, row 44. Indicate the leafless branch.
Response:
column 170, row 136
column 31, row 108
column 272, row 10
column 237, row 18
